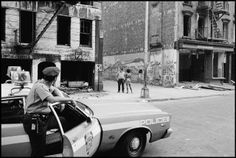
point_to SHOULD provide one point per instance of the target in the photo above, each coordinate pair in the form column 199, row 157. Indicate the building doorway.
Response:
column 77, row 71
column 191, row 67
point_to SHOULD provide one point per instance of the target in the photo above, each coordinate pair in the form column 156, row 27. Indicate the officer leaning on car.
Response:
column 38, row 117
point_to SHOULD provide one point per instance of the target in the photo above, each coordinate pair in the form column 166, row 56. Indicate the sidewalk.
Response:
column 156, row 93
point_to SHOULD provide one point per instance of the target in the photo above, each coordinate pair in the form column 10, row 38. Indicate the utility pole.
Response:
column 145, row 90
column 98, row 85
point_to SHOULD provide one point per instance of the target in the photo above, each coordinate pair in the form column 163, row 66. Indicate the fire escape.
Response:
column 29, row 48
column 214, row 10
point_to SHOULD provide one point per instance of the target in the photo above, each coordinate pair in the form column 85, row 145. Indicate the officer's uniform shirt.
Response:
column 36, row 101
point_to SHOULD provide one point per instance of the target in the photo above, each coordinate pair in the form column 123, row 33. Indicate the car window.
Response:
column 12, row 110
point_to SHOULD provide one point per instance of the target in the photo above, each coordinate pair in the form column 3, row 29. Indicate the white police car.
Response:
column 92, row 128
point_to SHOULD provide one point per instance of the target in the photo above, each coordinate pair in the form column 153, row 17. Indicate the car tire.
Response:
column 132, row 144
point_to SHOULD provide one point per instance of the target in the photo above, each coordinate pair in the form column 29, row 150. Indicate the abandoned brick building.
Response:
column 188, row 40
column 36, row 34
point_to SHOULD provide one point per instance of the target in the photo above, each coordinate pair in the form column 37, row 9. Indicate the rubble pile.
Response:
column 194, row 85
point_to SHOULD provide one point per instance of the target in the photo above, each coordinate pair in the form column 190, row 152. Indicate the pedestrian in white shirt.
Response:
column 121, row 80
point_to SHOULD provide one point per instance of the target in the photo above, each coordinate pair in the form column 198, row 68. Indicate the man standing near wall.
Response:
column 121, row 80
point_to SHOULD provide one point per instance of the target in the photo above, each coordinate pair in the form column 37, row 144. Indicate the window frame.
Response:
column 3, row 24
column 188, row 25
column 33, row 27
column 2, row 109
column 82, row 22
column 225, row 30
column 62, row 41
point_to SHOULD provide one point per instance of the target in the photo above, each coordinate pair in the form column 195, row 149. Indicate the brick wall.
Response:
column 124, row 26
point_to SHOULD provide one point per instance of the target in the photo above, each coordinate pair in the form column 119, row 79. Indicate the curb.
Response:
column 166, row 99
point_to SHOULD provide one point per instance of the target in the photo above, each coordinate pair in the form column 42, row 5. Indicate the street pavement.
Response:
column 156, row 93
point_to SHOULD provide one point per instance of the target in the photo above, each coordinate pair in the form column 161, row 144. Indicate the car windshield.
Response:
column 84, row 108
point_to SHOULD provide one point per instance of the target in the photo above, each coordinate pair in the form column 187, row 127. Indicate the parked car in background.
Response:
column 91, row 128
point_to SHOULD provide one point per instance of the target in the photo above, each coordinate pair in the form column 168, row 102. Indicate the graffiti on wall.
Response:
column 135, row 65
column 154, row 73
column 157, row 73
column 169, row 71
column 154, row 68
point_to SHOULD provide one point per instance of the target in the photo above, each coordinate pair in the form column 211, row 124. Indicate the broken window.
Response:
column 86, row 32
column 187, row 25
column 3, row 23
column 187, row 2
column 225, row 5
column 27, row 26
column 86, row 2
column 201, row 27
column 218, row 64
column 63, row 30
column 225, row 30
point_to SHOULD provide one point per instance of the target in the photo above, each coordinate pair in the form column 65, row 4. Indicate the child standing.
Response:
column 128, row 80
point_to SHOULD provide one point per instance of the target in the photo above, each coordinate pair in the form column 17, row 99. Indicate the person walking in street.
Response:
column 128, row 81
column 38, row 117
column 121, row 80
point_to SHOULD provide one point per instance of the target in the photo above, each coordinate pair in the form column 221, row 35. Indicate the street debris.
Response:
column 197, row 86
column 216, row 87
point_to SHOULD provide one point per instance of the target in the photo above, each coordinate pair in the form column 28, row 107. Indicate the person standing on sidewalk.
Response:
column 121, row 80
column 128, row 80
column 38, row 117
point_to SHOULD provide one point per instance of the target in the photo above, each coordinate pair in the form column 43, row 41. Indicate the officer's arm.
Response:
column 56, row 92
column 53, row 99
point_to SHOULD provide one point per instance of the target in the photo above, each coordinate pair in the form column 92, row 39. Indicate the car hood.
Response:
column 113, row 110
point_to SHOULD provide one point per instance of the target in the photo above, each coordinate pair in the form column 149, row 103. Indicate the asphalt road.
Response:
column 202, row 127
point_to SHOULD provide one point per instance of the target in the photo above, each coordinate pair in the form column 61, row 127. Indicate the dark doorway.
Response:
column 24, row 63
column 191, row 67
column 77, row 71
column 197, row 67
column 184, row 67
column 43, row 65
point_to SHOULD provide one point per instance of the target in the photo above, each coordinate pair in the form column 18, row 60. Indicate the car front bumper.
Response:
column 168, row 132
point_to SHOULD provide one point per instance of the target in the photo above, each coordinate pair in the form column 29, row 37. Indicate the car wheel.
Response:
column 132, row 144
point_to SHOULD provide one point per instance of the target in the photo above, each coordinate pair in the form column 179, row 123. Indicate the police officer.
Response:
column 38, row 117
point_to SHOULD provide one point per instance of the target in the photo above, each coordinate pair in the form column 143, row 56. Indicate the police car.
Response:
column 91, row 128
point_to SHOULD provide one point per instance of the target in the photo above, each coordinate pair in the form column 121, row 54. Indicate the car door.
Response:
column 14, row 140
column 83, row 139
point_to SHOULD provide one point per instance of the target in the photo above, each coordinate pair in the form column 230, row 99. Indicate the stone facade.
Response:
column 47, row 49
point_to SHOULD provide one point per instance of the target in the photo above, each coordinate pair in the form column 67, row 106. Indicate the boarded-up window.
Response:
column 27, row 26
column 187, row 25
column 3, row 23
column 86, row 32
column 63, row 30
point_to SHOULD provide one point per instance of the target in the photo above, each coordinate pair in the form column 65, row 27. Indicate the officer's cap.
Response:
column 51, row 71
